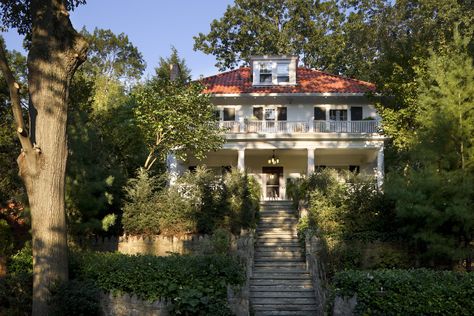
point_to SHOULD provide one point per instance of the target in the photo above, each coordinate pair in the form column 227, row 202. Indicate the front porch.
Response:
column 292, row 163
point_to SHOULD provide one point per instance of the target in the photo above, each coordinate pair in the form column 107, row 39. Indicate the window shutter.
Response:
column 282, row 114
column 319, row 114
column 258, row 113
column 229, row 114
column 356, row 113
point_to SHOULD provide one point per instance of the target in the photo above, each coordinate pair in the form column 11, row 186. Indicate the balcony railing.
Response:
column 346, row 126
column 300, row 126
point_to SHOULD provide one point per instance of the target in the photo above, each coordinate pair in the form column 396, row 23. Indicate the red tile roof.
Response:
column 307, row 81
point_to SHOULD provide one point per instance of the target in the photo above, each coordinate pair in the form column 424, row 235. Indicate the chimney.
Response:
column 174, row 72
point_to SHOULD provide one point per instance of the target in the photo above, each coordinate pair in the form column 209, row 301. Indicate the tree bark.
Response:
column 55, row 53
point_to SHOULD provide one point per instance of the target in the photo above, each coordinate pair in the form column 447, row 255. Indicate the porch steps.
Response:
column 280, row 283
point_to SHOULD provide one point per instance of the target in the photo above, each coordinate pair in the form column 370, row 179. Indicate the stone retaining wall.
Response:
column 315, row 265
column 125, row 305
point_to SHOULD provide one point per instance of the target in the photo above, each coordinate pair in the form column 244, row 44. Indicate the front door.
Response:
column 272, row 178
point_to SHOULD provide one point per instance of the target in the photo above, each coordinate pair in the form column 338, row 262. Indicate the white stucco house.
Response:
column 284, row 121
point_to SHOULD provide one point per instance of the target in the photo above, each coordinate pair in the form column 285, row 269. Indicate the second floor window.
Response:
column 229, row 114
column 283, row 72
column 266, row 72
column 319, row 114
column 338, row 115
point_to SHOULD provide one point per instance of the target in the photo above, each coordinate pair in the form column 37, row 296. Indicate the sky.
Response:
column 151, row 25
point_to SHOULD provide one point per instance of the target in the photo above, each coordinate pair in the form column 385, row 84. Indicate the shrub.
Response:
column 199, row 202
column 350, row 214
column 139, row 210
column 16, row 289
column 407, row 292
column 195, row 284
column 22, row 261
column 75, row 298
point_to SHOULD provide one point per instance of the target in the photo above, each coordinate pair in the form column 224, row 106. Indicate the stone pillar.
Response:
column 380, row 168
column 310, row 161
column 173, row 168
column 241, row 160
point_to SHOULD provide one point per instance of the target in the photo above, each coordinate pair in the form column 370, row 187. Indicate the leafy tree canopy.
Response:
column 17, row 13
column 176, row 118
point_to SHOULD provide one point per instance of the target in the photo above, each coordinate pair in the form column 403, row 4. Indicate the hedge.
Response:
column 407, row 292
column 193, row 283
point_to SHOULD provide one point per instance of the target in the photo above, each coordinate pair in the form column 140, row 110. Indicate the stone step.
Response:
column 270, row 256
column 278, row 269
column 277, row 215
column 276, row 233
column 283, row 282
column 281, row 276
column 280, row 264
column 279, row 231
column 278, row 260
column 278, row 247
column 276, row 226
column 278, row 243
column 277, row 253
column 291, row 304
column 278, row 236
column 284, row 309
column 281, row 288
column 306, row 296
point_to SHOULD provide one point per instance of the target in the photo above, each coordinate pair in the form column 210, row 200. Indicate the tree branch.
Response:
column 14, row 88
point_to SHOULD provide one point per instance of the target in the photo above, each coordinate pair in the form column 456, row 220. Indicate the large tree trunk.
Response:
column 55, row 53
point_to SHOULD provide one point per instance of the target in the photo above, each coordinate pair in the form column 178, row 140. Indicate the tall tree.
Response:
column 435, row 198
column 175, row 116
column 55, row 52
column 101, row 116
column 253, row 27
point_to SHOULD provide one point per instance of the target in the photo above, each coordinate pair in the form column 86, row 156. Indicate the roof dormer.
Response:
column 273, row 70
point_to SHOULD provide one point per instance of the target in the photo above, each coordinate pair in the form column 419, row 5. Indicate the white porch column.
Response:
column 173, row 168
column 241, row 160
column 380, row 168
column 310, row 161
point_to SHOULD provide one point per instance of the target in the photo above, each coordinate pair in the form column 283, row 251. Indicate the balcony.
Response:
column 289, row 127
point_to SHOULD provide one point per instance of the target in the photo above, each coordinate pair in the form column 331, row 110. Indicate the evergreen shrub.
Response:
column 196, row 285
column 407, row 292
column 199, row 202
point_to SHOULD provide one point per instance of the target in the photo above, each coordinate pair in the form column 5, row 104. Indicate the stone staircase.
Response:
column 280, row 284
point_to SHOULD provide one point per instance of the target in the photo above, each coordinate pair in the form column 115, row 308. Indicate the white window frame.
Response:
column 281, row 74
column 271, row 67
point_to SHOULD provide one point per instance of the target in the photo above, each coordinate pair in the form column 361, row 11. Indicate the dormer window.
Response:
column 274, row 70
column 266, row 72
column 283, row 72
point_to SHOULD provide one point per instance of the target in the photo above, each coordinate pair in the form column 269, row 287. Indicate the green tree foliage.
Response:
column 10, row 184
column 381, row 41
column 252, row 27
column 114, row 65
column 435, row 197
column 175, row 117
column 105, row 145
column 198, row 202
column 163, row 73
